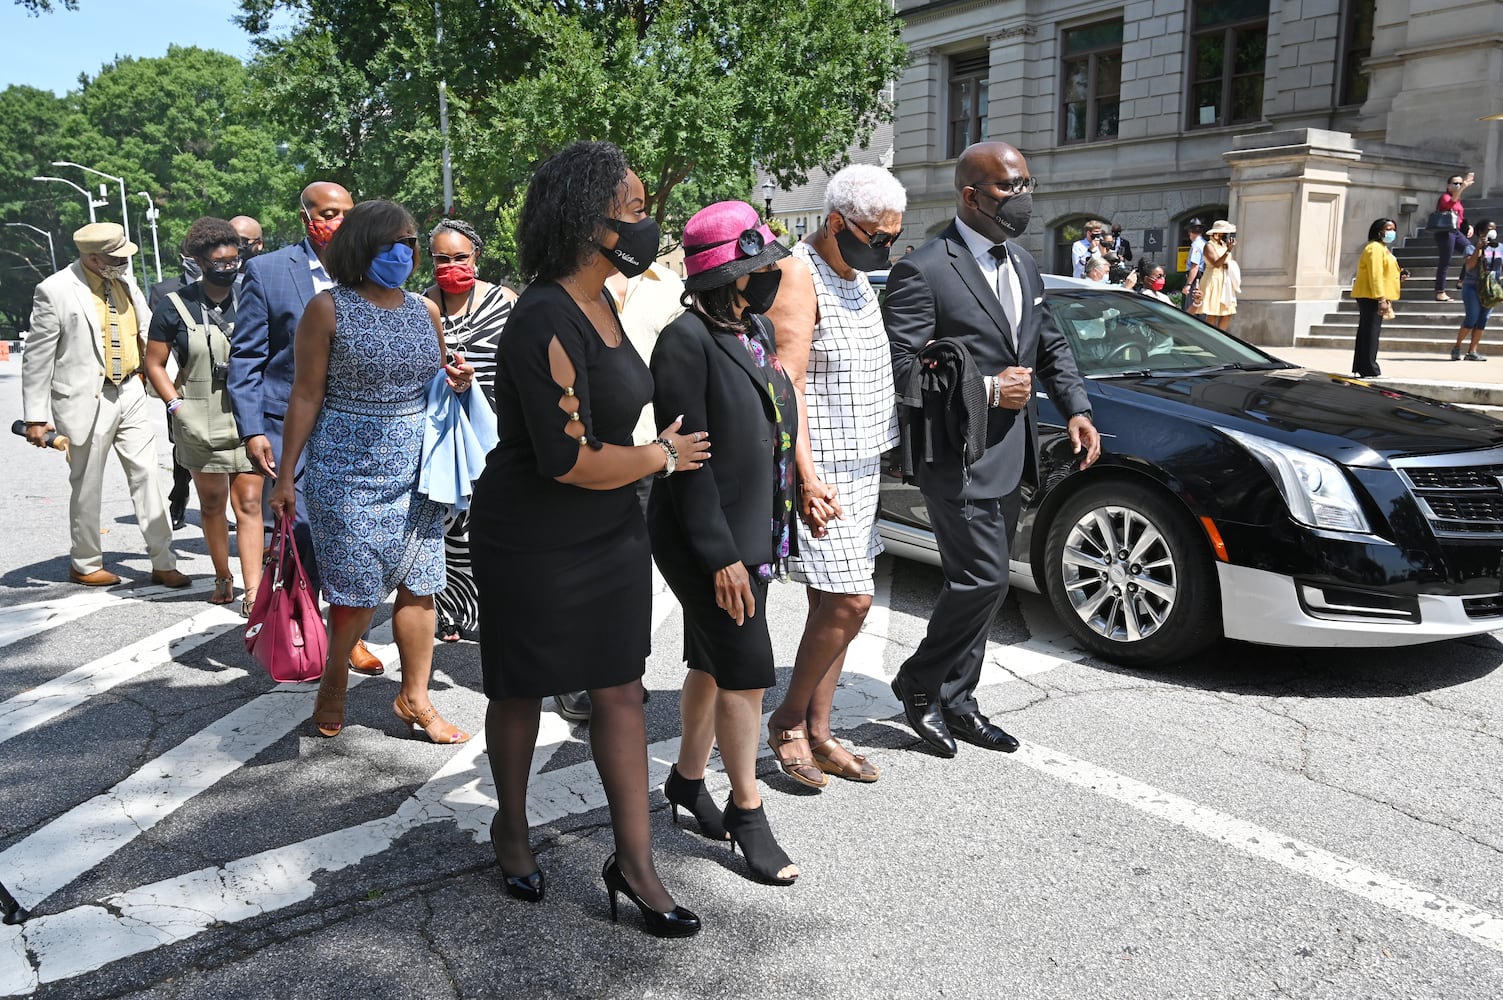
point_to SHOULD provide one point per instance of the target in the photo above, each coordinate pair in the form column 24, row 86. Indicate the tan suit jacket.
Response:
column 62, row 368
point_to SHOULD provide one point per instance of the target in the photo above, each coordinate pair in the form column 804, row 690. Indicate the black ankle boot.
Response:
column 693, row 796
column 749, row 828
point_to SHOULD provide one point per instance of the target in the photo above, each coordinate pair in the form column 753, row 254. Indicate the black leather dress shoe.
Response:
column 573, row 705
column 925, row 719
column 179, row 514
column 978, row 730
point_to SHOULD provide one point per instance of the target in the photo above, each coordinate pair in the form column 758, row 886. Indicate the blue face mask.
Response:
column 392, row 266
column 1389, row 235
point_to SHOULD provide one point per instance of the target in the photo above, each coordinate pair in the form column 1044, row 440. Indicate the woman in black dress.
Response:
column 721, row 535
column 473, row 313
column 562, row 563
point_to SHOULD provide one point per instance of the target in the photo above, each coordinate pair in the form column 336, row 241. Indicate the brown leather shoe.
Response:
column 98, row 578
column 363, row 661
column 170, row 578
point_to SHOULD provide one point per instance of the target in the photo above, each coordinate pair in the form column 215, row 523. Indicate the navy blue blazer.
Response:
column 275, row 291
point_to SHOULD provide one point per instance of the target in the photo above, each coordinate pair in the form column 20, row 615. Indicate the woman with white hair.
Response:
column 833, row 345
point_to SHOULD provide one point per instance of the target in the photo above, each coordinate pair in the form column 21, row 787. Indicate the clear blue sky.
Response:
column 51, row 50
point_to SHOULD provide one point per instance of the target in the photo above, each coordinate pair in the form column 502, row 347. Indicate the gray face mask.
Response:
column 114, row 271
column 191, row 268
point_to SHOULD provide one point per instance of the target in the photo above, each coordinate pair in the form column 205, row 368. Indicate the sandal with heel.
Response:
column 750, row 829
column 429, row 723
column 329, row 721
column 224, row 590
column 858, row 768
column 693, row 796
column 800, row 769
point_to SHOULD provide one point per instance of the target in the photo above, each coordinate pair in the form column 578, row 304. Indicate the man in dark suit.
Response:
column 275, row 289
column 973, row 285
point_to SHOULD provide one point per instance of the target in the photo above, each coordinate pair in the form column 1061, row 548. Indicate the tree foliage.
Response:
column 35, row 7
column 181, row 128
column 699, row 93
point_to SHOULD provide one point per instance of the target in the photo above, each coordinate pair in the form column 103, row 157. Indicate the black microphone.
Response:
column 53, row 439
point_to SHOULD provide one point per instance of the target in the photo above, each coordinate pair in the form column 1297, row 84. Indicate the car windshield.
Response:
column 1123, row 333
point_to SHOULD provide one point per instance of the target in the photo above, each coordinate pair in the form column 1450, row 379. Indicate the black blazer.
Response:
column 938, row 292
column 723, row 511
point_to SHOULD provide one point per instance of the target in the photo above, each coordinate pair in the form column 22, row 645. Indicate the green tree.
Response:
column 699, row 93
column 32, row 124
column 35, row 7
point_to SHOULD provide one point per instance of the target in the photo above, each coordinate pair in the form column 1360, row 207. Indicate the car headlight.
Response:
column 1315, row 489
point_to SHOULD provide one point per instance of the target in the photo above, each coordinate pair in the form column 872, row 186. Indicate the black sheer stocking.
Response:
column 618, row 742
column 511, row 733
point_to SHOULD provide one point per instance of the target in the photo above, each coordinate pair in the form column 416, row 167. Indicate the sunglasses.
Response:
column 452, row 258
column 410, row 242
column 224, row 265
column 878, row 240
column 1022, row 185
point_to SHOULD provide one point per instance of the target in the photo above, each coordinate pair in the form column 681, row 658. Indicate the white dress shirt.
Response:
column 999, row 275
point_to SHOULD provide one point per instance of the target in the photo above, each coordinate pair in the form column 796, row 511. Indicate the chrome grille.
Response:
column 1460, row 495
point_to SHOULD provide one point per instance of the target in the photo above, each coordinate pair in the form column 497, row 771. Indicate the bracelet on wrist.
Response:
column 174, row 404
column 670, row 457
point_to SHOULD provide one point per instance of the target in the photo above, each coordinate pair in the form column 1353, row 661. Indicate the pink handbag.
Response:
column 286, row 632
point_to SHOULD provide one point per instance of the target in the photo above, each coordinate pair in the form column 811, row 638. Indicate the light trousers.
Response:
column 122, row 425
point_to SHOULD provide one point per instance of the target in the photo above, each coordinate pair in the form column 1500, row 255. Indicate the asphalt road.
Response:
column 1259, row 823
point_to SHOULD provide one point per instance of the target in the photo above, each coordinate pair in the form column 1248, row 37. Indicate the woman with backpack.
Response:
column 1481, row 274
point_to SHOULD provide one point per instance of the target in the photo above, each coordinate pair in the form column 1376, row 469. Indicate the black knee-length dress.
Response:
column 563, row 573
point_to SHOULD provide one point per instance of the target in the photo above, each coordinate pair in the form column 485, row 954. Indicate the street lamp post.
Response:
column 88, row 197
column 152, row 213
column 124, row 212
column 799, row 228
column 768, row 187
column 51, row 251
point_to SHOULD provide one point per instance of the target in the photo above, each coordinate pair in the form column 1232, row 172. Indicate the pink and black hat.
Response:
column 724, row 241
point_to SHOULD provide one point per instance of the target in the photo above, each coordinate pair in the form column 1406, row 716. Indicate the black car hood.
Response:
column 1345, row 419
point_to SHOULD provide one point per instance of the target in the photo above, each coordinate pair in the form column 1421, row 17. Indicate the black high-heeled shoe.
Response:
column 527, row 888
column 749, row 828
column 676, row 923
column 693, row 796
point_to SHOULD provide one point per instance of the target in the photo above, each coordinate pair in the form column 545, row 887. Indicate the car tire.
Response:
column 1160, row 605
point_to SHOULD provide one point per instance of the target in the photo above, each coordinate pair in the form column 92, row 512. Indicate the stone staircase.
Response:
column 1421, row 325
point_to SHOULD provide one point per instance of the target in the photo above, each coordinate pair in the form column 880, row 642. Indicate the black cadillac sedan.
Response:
column 1240, row 496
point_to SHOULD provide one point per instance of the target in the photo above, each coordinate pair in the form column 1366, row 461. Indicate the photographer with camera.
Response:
column 1108, row 248
column 1086, row 247
column 194, row 323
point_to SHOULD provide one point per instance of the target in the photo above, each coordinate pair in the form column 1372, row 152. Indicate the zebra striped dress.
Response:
column 475, row 335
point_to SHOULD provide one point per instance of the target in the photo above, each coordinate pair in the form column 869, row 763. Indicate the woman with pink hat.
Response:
column 720, row 536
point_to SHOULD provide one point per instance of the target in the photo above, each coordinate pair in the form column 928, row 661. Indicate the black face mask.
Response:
column 761, row 288
column 221, row 279
column 637, row 247
column 861, row 256
column 1012, row 214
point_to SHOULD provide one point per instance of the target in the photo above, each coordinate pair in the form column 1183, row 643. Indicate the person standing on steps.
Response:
column 1485, row 257
column 975, row 286
column 1449, row 241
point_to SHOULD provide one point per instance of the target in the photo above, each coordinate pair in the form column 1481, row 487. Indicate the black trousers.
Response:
column 1369, row 326
column 974, row 538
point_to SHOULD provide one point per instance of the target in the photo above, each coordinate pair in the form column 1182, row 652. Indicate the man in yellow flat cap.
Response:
column 80, row 372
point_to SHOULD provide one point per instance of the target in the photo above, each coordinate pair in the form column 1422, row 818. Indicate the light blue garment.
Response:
column 459, row 430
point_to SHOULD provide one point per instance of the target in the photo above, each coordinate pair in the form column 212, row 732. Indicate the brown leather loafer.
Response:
column 363, row 661
column 98, row 578
column 170, row 578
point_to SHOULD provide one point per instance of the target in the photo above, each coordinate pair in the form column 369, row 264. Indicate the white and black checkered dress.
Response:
column 853, row 419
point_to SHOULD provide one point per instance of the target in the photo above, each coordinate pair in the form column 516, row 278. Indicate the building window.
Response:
column 968, row 87
column 1229, row 46
column 1356, row 46
column 1092, row 84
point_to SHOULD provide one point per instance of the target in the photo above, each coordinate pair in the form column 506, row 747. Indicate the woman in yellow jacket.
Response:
column 1377, row 286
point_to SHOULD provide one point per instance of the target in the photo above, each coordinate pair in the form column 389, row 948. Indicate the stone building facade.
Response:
column 1272, row 113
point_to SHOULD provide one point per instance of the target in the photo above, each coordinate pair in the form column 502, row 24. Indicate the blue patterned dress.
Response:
column 371, row 529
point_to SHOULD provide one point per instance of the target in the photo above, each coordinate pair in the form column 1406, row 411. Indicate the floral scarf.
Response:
column 759, row 345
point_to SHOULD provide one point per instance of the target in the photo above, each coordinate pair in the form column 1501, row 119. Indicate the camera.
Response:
column 220, row 372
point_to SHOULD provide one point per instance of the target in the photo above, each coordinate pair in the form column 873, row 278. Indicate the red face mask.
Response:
column 321, row 231
column 1157, row 284
column 456, row 279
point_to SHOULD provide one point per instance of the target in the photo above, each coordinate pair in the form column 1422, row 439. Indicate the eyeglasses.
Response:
column 225, row 265
column 878, row 240
column 410, row 242
column 1020, row 185
column 452, row 258
column 1453, row 184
